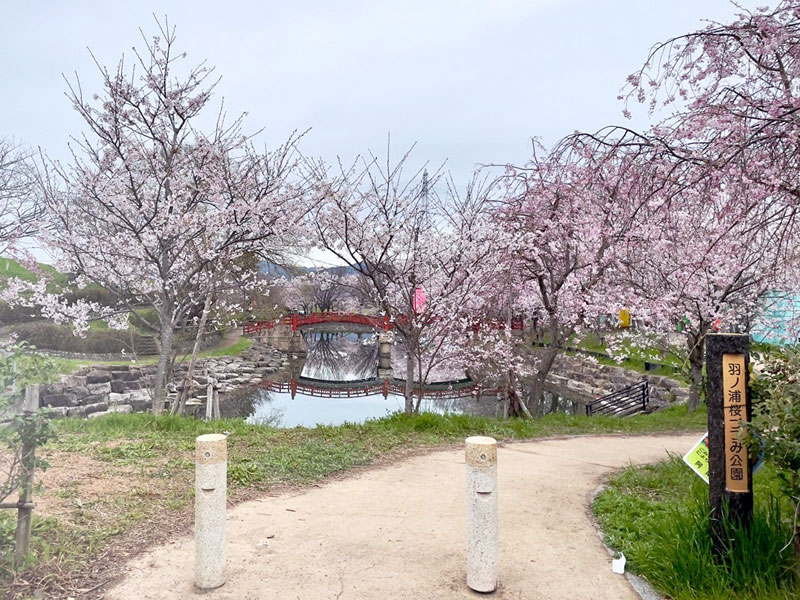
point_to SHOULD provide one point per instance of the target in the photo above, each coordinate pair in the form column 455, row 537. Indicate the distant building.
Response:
column 779, row 322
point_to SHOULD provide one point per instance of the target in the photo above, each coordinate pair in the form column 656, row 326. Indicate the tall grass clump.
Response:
column 659, row 517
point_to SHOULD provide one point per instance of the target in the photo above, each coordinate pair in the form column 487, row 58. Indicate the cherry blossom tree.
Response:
column 152, row 207
column 724, row 233
column 734, row 95
column 20, row 212
column 319, row 290
column 704, row 259
column 427, row 256
column 569, row 214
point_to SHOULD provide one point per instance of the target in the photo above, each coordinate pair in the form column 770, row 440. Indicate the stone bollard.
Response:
column 482, row 522
column 210, row 502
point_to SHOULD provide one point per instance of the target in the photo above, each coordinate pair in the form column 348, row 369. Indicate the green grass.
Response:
column 674, row 363
column 10, row 268
column 658, row 516
column 266, row 455
column 238, row 347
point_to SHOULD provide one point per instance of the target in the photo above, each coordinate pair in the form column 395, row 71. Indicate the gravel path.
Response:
column 398, row 532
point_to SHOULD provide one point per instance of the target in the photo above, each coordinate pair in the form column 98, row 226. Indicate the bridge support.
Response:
column 211, row 472
column 297, row 343
column 385, row 340
column 482, row 518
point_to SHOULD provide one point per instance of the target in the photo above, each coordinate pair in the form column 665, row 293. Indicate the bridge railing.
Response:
column 336, row 317
column 384, row 387
column 377, row 321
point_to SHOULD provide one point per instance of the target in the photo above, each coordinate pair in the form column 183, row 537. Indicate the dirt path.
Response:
column 399, row 532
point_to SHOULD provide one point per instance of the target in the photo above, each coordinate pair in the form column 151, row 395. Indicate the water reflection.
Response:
column 340, row 356
column 335, row 405
column 336, row 382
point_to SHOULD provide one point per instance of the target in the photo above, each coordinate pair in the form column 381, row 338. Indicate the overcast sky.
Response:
column 470, row 81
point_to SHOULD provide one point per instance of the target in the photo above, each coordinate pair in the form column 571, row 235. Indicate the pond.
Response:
column 336, row 382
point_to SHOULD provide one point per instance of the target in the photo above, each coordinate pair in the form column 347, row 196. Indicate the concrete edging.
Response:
column 641, row 586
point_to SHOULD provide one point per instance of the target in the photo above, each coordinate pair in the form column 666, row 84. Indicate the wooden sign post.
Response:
column 728, row 396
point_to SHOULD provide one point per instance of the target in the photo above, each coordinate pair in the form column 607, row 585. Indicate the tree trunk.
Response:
column 515, row 402
column 188, row 383
column 548, row 358
column 421, row 388
column 696, row 359
column 409, row 381
column 160, row 385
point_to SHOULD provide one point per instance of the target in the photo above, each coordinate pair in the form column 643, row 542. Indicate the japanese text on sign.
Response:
column 735, row 411
column 697, row 458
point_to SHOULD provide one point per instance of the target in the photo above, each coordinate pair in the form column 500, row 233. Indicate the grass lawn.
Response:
column 10, row 268
column 676, row 365
column 657, row 515
column 121, row 481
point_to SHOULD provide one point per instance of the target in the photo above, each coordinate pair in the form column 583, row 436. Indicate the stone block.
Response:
column 79, row 392
column 125, row 375
column 140, row 404
column 100, row 388
column 55, row 388
column 98, row 377
column 117, row 398
column 74, row 381
column 57, row 412
column 54, row 400
column 93, row 399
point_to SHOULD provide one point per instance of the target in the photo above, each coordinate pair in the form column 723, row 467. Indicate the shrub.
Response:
column 17, row 314
column 91, row 293
column 775, row 428
column 144, row 319
column 50, row 336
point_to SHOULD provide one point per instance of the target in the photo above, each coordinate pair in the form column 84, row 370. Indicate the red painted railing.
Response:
column 385, row 388
column 297, row 320
column 377, row 321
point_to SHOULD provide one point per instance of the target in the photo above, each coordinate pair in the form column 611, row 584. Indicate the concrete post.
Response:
column 211, row 472
column 385, row 340
column 482, row 521
column 209, row 401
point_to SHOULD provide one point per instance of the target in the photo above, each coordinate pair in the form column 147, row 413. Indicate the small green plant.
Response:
column 19, row 432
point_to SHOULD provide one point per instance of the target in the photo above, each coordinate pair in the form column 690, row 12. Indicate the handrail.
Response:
column 628, row 400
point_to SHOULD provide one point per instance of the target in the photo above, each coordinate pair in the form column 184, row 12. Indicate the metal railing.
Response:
column 627, row 401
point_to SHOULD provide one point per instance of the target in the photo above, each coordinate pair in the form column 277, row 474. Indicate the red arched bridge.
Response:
column 296, row 320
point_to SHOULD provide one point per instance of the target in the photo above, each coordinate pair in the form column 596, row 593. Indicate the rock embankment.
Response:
column 102, row 389
column 584, row 379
